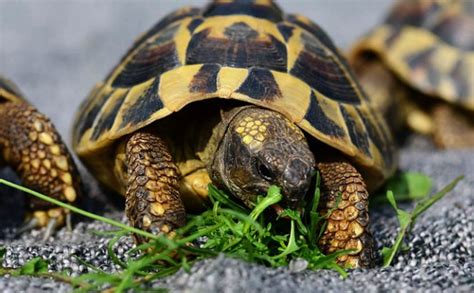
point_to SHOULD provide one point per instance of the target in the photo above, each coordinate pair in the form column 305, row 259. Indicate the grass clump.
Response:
column 227, row 227
column 231, row 229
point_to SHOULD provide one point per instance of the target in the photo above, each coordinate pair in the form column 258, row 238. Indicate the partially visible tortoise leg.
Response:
column 347, row 226
column 452, row 129
column 30, row 144
column 153, row 201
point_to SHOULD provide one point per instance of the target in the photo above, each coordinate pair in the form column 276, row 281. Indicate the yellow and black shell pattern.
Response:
column 9, row 92
column 241, row 50
column 429, row 44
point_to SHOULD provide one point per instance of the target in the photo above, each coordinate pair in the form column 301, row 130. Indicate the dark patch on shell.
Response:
column 358, row 136
column 240, row 32
column 378, row 138
column 286, row 31
column 147, row 104
column 315, row 30
column 194, row 24
column 106, row 122
column 91, row 108
column 459, row 75
column 318, row 119
column 151, row 60
column 321, row 71
column 457, row 31
column 242, row 49
column 205, row 81
column 260, row 84
column 171, row 18
column 268, row 12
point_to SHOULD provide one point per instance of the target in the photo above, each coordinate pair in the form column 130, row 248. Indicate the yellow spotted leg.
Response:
column 30, row 144
column 153, row 201
column 347, row 226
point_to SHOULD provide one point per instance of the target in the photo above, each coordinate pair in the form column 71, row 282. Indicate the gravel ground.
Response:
column 440, row 256
column 56, row 50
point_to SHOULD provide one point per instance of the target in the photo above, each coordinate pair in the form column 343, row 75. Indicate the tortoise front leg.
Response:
column 153, row 201
column 347, row 226
column 30, row 144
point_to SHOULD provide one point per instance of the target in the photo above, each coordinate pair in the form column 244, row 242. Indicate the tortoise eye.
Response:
column 264, row 171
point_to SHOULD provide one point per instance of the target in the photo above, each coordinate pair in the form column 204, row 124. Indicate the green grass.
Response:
column 407, row 219
column 232, row 229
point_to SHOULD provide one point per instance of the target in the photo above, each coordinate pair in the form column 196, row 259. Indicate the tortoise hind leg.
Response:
column 30, row 144
column 452, row 128
column 153, row 201
column 347, row 226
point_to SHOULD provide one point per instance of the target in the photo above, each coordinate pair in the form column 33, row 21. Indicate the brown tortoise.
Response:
column 418, row 66
column 243, row 96
column 30, row 145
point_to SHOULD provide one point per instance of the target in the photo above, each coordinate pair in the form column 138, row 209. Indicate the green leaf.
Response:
column 410, row 185
column 387, row 254
column 273, row 197
column 34, row 266
column 217, row 195
column 426, row 203
column 391, row 200
column 407, row 220
column 291, row 246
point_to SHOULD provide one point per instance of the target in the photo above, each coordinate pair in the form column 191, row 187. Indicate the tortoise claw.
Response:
column 50, row 229
column 27, row 226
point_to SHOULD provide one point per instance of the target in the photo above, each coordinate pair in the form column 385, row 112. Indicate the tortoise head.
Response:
column 260, row 148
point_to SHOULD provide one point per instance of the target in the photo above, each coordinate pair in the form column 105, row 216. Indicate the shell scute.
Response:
column 237, row 45
column 324, row 71
column 260, row 84
column 156, row 56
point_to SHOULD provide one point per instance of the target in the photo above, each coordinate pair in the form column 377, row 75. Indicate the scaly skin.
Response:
column 30, row 145
column 153, row 201
column 347, row 226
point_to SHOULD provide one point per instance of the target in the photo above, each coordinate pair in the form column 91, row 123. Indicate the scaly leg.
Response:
column 153, row 201
column 30, row 144
column 347, row 226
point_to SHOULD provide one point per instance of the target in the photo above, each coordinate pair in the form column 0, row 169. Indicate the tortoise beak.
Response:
column 296, row 181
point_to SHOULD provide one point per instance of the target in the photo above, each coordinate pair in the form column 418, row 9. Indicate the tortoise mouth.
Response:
column 279, row 211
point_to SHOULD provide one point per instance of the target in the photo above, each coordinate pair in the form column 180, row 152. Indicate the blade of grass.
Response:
column 425, row 204
column 78, row 210
column 407, row 220
column 217, row 195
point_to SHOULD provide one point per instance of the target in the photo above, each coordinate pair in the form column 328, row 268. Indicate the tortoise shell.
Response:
column 240, row 50
column 9, row 91
column 429, row 45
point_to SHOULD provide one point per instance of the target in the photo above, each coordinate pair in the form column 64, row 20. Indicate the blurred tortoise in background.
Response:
column 243, row 96
column 418, row 67
column 32, row 147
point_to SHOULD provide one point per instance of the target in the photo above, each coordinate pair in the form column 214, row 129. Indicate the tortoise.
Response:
column 33, row 148
column 418, row 67
column 240, row 95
